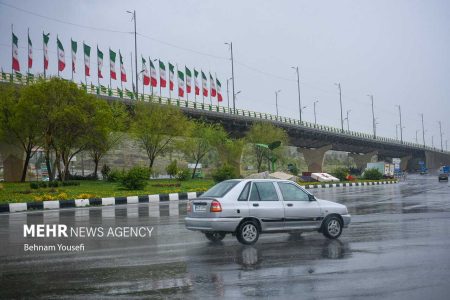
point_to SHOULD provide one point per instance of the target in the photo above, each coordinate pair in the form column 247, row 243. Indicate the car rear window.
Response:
column 220, row 189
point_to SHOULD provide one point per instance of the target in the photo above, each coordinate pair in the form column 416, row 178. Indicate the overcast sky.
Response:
column 399, row 51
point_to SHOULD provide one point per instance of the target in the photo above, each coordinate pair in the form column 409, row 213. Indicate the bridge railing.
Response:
column 105, row 91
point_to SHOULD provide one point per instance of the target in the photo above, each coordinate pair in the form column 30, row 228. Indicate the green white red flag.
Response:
column 171, row 76
column 112, row 64
column 45, row 39
column 188, row 80
column 204, row 85
column 123, row 74
column 197, row 85
column 219, row 90
column 99, row 63
column 30, row 52
column 213, row 86
column 87, row 59
column 15, row 53
column 180, row 84
column 162, row 74
column 74, row 47
column 145, row 72
column 61, row 55
column 153, row 76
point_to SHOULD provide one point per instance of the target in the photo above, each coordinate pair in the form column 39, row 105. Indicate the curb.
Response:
column 329, row 185
column 58, row 204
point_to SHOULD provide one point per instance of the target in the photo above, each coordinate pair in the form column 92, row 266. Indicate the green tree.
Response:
column 155, row 127
column 203, row 138
column 265, row 133
column 20, row 120
column 104, row 138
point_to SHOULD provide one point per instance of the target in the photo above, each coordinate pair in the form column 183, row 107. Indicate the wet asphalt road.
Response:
column 397, row 247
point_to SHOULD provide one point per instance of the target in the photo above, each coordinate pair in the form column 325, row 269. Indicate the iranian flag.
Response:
column 204, row 85
column 145, row 72
column 180, row 83
column 197, row 86
column 123, row 74
column 219, row 90
column 30, row 52
column 153, row 76
column 171, row 76
column 74, row 47
column 112, row 64
column 213, row 86
column 99, row 62
column 162, row 74
column 61, row 55
column 45, row 38
column 15, row 53
column 87, row 59
column 188, row 80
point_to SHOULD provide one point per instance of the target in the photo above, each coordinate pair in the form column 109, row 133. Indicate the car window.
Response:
column 254, row 195
column 244, row 194
column 291, row 192
column 220, row 189
column 266, row 191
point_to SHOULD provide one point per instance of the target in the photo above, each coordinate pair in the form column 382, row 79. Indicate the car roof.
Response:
column 257, row 179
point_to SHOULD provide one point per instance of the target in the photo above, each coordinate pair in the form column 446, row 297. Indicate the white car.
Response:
column 248, row 207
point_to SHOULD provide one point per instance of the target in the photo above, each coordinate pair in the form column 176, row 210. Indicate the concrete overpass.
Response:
column 312, row 140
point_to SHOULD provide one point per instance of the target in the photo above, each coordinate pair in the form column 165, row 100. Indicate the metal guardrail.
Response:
column 104, row 91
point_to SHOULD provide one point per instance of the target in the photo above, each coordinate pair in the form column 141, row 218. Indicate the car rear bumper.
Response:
column 347, row 219
column 212, row 224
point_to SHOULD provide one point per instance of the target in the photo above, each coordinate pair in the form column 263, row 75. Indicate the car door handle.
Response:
column 290, row 204
column 255, row 204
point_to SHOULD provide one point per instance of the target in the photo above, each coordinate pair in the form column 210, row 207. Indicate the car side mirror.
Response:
column 312, row 198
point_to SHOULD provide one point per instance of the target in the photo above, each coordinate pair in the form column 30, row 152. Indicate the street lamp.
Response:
column 315, row 118
column 298, row 87
column 228, row 93
column 401, row 127
column 135, row 49
column 396, row 131
column 417, row 131
column 230, row 44
column 373, row 118
column 276, row 101
column 348, row 120
column 340, row 101
column 423, row 131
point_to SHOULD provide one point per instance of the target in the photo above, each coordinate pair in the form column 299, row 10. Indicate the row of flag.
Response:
column 149, row 78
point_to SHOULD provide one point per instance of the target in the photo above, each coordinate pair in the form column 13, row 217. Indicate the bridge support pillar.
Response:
column 434, row 160
column 314, row 157
column 13, row 160
column 404, row 162
column 361, row 160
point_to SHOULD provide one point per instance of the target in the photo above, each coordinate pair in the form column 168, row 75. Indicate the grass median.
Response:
column 21, row 192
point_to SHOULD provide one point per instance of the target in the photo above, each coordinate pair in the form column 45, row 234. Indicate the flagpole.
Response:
column 28, row 54
column 132, row 83
column 203, row 94
column 187, row 94
column 57, row 53
column 12, row 49
column 195, row 86
column 217, row 91
column 178, row 83
column 98, row 71
column 150, row 68
column 84, row 54
column 210, row 88
column 160, row 94
column 43, row 50
column 110, row 83
column 71, row 52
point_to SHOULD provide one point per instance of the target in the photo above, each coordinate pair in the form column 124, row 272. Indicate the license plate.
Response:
column 200, row 208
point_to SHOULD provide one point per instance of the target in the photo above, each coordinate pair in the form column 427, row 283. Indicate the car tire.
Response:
column 248, row 233
column 332, row 227
column 215, row 236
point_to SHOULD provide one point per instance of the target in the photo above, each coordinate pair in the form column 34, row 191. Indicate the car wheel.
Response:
column 215, row 236
column 332, row 227
column 248, row 233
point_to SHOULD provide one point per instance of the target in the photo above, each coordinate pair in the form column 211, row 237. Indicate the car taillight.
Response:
column 189, row 206
column 215, row 206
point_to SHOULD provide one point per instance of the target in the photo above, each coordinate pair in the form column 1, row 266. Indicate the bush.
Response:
column 183, row 174
column 43, row 184
column 81, row 177
column 53, row 184
column 372, row 174
column 223, row 173
column 70, row 183
column 105, row 171
column 135, row 179
column 114, row 176
column 340, row 173
column 172, row 168
column 34, row 185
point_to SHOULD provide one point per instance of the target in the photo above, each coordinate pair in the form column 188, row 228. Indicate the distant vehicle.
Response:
column 444, row 173
column 248, row 207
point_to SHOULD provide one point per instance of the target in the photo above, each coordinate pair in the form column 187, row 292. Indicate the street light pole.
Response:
column 423, row 131
column 340, row 101
column 232, row 74
column 440, row 133
column 396, row 131
column 348, row 120
column 315, row 118
column 401, row 127
column 228, row 94
column 135, row 51
column 416, row 136
column 373, row 118
column 298, row 87
column 276, row 101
